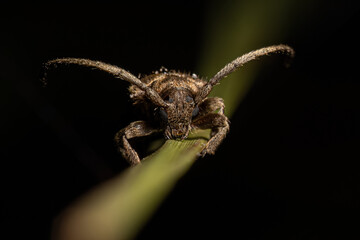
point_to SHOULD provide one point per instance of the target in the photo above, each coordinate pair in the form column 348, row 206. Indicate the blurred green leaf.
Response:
column 235, row 28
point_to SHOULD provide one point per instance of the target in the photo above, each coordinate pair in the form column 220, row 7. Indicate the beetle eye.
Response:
column 195, row 112
column 189, row 99
column 168, row 99
column 163, row 115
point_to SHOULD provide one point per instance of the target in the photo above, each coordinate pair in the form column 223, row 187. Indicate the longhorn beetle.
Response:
column 174, row 102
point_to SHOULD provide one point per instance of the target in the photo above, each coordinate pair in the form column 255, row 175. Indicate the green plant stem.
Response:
column 120, row 207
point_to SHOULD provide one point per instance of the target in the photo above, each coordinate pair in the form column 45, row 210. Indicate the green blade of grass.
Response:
column 119, row 208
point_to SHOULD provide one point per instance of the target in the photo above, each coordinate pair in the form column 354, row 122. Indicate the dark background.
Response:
column 295, row 176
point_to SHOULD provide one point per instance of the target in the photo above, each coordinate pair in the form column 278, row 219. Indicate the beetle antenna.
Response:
column 113, row 70
column 239, row 62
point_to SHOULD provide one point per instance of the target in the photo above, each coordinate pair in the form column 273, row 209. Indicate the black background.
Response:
column 294, row 176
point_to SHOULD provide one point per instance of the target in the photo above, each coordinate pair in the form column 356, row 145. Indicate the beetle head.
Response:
column 177, row 116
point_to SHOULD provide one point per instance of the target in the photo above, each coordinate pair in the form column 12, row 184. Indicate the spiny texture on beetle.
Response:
column 173, row 103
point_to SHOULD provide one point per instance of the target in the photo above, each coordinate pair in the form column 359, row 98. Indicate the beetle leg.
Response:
column 219, row 125
column 134, row 129
column 210, row 105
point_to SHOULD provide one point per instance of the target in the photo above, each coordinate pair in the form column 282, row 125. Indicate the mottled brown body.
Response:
column 182, row 114
column 174, row 103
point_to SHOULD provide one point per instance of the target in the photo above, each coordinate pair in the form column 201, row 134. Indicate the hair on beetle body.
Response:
column 174, row 102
